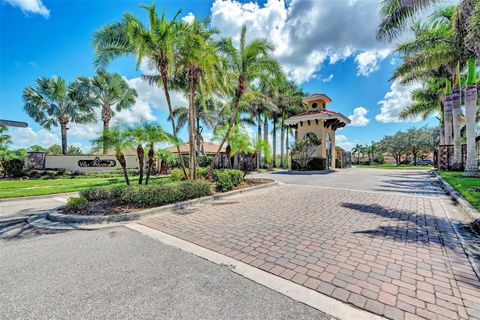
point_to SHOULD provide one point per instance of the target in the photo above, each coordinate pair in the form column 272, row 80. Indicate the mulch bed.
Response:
column 104, row 208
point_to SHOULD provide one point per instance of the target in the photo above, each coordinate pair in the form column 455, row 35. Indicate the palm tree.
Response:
column 206, row 117
column 116, row 139
column 54, row 102
column 5, row 139
column 166, row 158
column 199, row 69
column 248, row 62
column 154, row 133
column 111, row 92
column 397, row 14
column 457, row 118
column 358, row 149
column 155, row 45
column 137, row 135
column 471, row 166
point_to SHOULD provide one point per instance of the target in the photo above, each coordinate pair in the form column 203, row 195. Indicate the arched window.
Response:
column 314, row 105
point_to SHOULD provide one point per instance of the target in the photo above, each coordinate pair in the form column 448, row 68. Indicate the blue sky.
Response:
column 326, row 46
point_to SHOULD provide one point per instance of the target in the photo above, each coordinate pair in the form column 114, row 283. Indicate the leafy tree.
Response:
column 5, row 139
column 74, row 150
column 110, row 92
column 304, row 149
column 37, row 148
column 55, row 149
column 395, row 145
column 155, row 45
column 56, row 103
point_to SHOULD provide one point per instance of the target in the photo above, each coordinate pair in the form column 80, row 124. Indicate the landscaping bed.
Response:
column 119, row 200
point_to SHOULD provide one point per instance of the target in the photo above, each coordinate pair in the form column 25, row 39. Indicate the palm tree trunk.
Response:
column 259, row 139
column 471, row 166
column 141, row 162
column 197, row 138
column 457, row 127
column 282, row 140
column 274, row 142
column 238, row 96
column 121, row 159
column 448, row 120
column 106, row 117
column 265, row 138
column 287, row 147
column 172, row 120
column 63, row 128
column 191, row 123
column 151, row 158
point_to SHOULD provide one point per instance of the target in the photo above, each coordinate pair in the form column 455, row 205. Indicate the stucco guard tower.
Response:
column 323, row 123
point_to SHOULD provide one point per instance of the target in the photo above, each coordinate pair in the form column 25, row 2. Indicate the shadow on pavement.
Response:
column 17, row 228
column 303, row 173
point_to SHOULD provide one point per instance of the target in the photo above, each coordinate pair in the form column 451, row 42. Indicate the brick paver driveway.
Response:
column 392, row 252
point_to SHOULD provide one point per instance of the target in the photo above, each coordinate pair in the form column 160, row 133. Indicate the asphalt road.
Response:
column 117, row 273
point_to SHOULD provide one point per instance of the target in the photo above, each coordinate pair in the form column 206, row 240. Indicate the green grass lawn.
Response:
column 23, row 188
column 464, row 185
column 392, row 166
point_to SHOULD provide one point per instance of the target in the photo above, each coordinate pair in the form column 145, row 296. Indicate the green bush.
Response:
column 163, row 194
column 13, row 168
column 76, row 203
column 150, row 195
column 177, row 175
column 226, row 179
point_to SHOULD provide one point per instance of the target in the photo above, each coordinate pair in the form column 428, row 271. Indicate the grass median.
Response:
column 468, row 187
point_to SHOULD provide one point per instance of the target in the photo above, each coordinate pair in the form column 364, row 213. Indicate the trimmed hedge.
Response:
column 225, row 179
column 150, row 195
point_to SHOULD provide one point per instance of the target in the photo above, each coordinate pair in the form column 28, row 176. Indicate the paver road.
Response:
column 391, row 251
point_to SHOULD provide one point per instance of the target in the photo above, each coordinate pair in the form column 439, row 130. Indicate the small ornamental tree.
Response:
column 303, row 150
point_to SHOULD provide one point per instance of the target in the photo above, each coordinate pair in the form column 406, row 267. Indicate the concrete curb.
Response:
column 314, row 299
column 472, row 212
column 54, row 216
column 44, row 196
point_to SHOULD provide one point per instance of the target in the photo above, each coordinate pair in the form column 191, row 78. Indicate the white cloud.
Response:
column 26, row 137
column 328, row 79
column 307, row 33
column 395, row 100
column 368, row 61
column 358, row 117
column 31, row 6
column 343, row 142
column 189, row 18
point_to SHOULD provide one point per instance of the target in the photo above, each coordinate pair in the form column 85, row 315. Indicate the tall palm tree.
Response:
column 248, row 62
column 137, row 135
column 471, row 166
column 198, row 65
column 357, row 150
column 55, row 103
column 154, row 133
column 457, row 118
column 110, row 92
column 155, row 44
column 116, row 139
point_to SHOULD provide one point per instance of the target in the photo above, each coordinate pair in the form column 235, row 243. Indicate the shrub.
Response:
column 13, row 168
column 76, row 203
column 162, row 194
column 226, row 179
column 177, row 175
column 95, row 194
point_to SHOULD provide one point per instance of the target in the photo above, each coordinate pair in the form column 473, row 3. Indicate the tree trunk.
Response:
column 265, row 139
column 191, row 122
column 172, row 120
column 121, row 159
column 471, row 166
column 259, row 139
column 448, row 119
column 197, row 138
column 282, row 140
column 240, row 90
column 457, row 127
column 141, row 162
column 287, row 147
column 274, row 142
column 151, row 158
column 106, row 117
column 63, row 128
